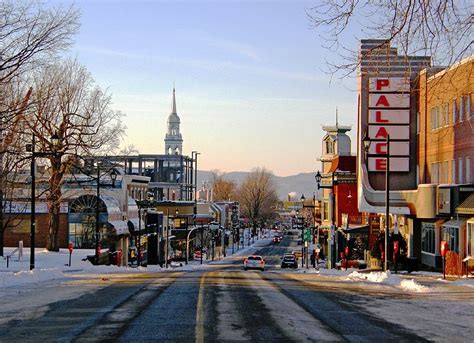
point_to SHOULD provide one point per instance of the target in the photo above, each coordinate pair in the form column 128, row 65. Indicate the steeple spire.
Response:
column 173, row 110
column 337, row 122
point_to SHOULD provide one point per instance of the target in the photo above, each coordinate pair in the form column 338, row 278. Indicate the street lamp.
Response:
column 113, row 176
column 366, row 144
column 31, row 148
column 332, row 253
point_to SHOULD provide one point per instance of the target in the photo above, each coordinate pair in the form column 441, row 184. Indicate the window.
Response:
column 461, row 108
column 326, row 210
column 417, row 122
column 460, row 180
column 454, row 111
column 445, row 172
column 453, row 171
column 470, row 239
column 451, row 235
column 446, row 114
column 428, row 241
column 468, row 107
column 329, row 147
column 434, row 173
column 468, row 170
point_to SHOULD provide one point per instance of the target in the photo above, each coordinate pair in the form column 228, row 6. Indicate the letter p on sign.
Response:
column 381, row 83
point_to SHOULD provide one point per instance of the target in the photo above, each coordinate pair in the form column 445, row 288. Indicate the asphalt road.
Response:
column 221, row 303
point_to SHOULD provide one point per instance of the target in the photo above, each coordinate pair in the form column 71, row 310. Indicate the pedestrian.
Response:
column 313, row 259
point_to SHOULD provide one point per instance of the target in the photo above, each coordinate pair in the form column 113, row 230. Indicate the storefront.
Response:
column 431, row 233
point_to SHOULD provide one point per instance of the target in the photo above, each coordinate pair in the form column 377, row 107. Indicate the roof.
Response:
column 467, row 206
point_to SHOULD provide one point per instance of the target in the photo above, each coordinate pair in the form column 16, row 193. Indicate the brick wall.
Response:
column 20, row 230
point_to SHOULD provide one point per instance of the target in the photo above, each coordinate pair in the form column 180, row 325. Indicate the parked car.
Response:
column 254, row 262
column 289, row 261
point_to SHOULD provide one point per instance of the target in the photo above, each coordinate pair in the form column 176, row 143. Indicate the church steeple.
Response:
column 173, row 139
column 173, row 109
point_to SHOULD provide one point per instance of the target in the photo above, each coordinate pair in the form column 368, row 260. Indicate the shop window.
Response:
column 451, row 235
column 428, row 241
column 470, row 239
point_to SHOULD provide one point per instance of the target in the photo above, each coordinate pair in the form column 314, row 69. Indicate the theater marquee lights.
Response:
column 389, row 114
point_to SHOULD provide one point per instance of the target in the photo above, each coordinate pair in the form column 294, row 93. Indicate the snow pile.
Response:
column 387, row 278
column 22, row 277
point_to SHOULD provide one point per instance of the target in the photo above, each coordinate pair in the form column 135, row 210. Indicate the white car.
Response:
column 254, row 262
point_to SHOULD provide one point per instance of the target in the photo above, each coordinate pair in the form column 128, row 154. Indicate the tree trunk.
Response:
column 54, row 202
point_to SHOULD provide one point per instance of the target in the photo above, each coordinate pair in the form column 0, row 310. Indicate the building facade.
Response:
column 425, row 114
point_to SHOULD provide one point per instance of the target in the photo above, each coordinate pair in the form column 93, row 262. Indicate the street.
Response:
column 222, row 302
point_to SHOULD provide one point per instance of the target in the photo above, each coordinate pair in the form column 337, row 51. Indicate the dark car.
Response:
column 276, row 239
column 289, row 261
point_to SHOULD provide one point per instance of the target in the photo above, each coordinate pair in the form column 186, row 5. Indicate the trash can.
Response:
column 412, row 264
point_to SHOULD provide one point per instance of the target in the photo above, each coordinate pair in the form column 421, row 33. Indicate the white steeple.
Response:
column 173, row 139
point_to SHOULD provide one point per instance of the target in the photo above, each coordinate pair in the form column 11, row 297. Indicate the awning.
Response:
column 454, row 223
column 203, row 218
column 119, row 226
column 134, row 224
column 467, row 206
column 357, row 228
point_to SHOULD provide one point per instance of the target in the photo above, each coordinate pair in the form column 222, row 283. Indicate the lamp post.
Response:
column 54, row 142
column 113, row 177
column 366, row 142
column 332, row 253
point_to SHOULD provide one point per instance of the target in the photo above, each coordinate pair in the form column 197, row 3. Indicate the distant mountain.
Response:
column 303, row 183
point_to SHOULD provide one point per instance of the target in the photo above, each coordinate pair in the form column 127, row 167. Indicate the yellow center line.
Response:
column 200, row 311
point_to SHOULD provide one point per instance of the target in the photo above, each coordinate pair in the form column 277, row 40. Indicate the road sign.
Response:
column 307, row 234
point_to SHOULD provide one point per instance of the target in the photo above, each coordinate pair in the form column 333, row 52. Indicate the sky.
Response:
column 251, row 86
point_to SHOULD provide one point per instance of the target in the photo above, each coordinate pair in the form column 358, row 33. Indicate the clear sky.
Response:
column 250, row 83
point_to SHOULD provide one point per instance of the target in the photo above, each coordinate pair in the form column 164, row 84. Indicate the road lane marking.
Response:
column 200, row 311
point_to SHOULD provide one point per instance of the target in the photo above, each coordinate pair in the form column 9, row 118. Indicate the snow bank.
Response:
column 388, row 278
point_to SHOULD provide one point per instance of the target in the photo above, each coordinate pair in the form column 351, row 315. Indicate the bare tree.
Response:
column 257, row 195
column 222, row 189
column 438, row 28
column 30, row 33
column 129, row 150
column 67, row 103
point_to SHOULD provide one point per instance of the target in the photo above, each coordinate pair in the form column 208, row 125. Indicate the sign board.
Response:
column 389, row 100
column 383, row 116
column 392, row 84
column 395, row 132
column 397, row 164
column 396, row 148
column 389, row 115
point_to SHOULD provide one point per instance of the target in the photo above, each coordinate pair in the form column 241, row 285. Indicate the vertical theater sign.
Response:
column 389, row 114
column 388, row 106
